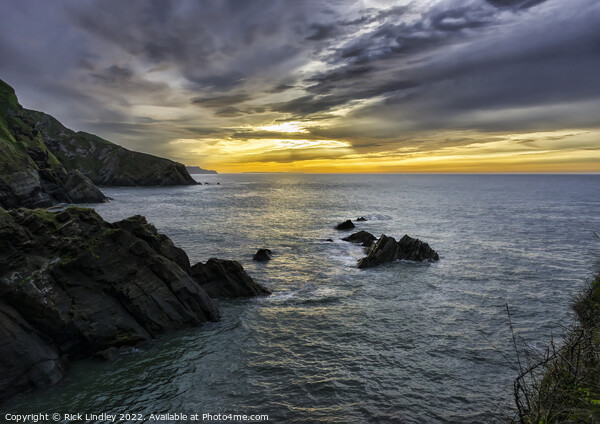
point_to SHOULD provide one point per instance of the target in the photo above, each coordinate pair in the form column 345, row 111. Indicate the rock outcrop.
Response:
column 346, row 225
column 73, row 285
column 387, row 249
column 361, row 219
column 416, row 250
column 30, row 175
column 363, row 237
column 263, row 255
column 226, row 279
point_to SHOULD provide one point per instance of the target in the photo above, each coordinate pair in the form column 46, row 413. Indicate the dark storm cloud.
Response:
column 280, row 88
column 322, row 32
column 522, row 4
column 213, row 44
column 221, row 101
column 435, row 28
column 320, row 100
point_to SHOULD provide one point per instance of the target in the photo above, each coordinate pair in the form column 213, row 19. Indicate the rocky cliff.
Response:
column 43, row 163
column 30, row 175
column 106, row 163
column 73, row 285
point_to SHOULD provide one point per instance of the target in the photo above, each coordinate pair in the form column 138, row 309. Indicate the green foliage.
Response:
column 24, row 281
column 94, row 241
column 563, row 386
column 47, row 217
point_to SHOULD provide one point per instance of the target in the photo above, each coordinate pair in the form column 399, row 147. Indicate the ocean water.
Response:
column 400, row 343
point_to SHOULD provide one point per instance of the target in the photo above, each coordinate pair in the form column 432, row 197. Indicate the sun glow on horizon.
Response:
column 565, row 151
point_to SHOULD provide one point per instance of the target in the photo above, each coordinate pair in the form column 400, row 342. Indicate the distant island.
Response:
column 198, row 170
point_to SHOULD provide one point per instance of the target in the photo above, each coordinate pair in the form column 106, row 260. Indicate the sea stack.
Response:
column 387, row 249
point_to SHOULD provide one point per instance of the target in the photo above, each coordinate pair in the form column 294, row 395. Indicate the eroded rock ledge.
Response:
column 73, row 285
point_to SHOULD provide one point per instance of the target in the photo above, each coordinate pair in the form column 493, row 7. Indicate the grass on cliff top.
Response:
column 563, row 386
column 17, row 135
column 13, row 156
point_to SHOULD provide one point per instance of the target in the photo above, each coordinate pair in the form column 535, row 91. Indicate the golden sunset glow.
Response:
column 560, row 151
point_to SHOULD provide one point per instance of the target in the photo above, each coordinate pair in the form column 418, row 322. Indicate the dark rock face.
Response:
column 26, row 359
column 346, row 225
column 361, row 219
column 387, row 249
column 263, row 255
column 226, row 279
column 363, row 237
column 416, row 250
column 73, row 285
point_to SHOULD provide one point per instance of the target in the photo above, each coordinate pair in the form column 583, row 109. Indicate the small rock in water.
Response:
column 263, row 255
column 363, row 237
column 329, row 240
column 360, row 219
column 346, row 225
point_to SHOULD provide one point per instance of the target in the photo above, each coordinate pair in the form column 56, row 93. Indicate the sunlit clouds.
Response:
column 322, row 86
column 285, row 127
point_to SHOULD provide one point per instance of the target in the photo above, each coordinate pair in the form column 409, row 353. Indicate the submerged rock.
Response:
column 263, row 255
column 361, row 219
column 363, row 237
column 73, row 286
column 387, row 249
column 226, row 279
column 346, row 225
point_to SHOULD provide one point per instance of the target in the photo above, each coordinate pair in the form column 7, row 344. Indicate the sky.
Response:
column 429, row 86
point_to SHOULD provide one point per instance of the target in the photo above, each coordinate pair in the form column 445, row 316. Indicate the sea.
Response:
column 404, row 342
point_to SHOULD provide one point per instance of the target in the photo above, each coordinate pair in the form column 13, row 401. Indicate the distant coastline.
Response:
column 198, row 170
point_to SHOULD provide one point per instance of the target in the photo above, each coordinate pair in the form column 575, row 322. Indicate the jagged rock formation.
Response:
column 73, row 285
column 363, row 237
column 226, row 279
column 30, row 175
column 198, row 170
column 387, row 249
